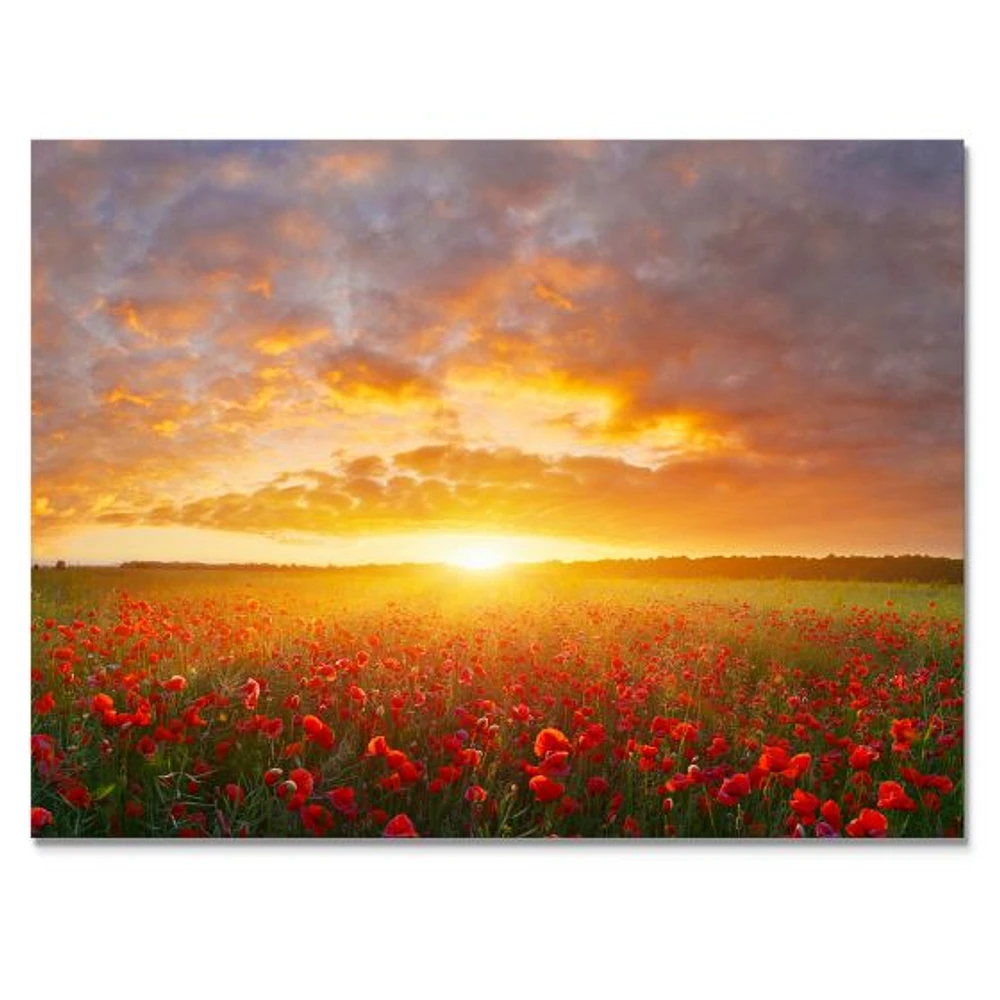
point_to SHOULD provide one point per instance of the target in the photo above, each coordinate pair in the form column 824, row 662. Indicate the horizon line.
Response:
column 136, row 563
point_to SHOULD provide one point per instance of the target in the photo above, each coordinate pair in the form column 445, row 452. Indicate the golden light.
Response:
column 477, row 557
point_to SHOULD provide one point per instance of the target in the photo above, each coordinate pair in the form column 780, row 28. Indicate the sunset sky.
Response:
column 370, row 352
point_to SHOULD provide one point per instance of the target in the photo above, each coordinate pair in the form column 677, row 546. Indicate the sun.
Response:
column 477, row 557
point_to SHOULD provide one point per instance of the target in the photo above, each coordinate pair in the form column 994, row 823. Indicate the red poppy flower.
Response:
column 318, row 732
column 40, row 818
column 551, row 741
column 830, row 811
column 904, row 732
column 101, row 703
column 892, row 795
column 661, row 726
column 684, row 731
column 75, row 794
column 297, row 789
column 235, row 794
column 391, row 782
column 303, row 779
column 43, row 748
column 940, row 783
column 400, row 826
column 862, row 757
column 44, row 704
column 176, row 683
column 733, row 789
column 410, row 772
column 804, row 805
column 597, row 786
column 521, row 713
column 869, row 823
column 316, row 819
column 593, row 736
column 555, row 765
column 343, row 800
column 272, row 728
column 545, row 789
column 777, row 760
column 251, row 694
column 475, row 793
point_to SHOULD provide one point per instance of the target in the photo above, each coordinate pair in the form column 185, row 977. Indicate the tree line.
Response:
column 887, row 569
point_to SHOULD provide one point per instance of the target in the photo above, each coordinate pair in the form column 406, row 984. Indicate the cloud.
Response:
column 759, row 505
column 733, row 329
column 356, row 374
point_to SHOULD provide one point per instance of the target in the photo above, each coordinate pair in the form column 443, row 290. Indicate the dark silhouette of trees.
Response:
column 887, row 569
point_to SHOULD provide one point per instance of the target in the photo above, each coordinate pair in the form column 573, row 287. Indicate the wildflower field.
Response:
column 444, row 703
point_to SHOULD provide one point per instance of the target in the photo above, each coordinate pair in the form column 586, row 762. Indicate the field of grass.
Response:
column 445, row 703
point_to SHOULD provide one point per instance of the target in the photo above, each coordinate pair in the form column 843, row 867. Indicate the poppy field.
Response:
column 518, row 704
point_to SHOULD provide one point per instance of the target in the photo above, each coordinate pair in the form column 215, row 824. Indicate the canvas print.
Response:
column 515, row 489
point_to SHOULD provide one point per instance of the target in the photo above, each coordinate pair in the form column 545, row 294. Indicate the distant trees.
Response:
column 881, row 569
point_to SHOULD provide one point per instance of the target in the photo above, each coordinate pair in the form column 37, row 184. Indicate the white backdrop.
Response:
column 760, row 920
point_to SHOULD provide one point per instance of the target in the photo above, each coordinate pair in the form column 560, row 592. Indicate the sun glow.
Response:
column 477, row 557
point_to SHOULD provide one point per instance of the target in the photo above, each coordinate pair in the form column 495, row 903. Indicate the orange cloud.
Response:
column 166, row 428
column 349, row 166
column 687, row 506
column 261, row 287
column 299, row 228
column 551, row 296
column 167, row 321
column 288, row 338
column 122, row 395
column 538, row 278
column 360, row 376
